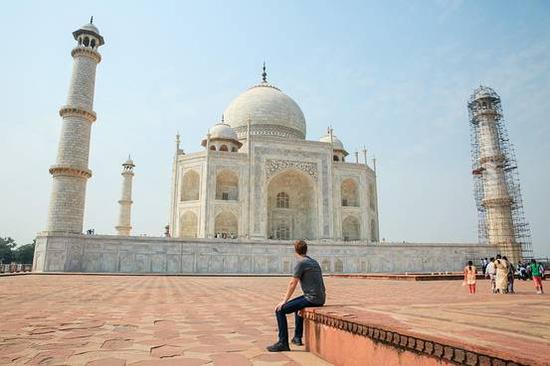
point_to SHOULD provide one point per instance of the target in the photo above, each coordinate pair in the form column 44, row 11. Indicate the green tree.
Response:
column 6, row 249
column 25, row 253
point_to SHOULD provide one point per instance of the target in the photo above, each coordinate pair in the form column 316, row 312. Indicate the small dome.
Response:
column 270, row 111
column 222, row 131
column 484, row 92
column 129, row 162
column 336, row 143
column 90, row 28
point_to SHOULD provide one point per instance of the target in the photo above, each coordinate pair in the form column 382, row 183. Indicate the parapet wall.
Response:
column 123, row 254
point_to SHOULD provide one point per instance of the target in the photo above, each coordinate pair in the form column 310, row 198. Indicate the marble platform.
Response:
column 123, row 254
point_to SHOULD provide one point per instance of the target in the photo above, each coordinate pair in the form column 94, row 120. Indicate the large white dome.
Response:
column 271, row 112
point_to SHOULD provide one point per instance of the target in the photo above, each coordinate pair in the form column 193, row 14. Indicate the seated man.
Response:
column 308, row 272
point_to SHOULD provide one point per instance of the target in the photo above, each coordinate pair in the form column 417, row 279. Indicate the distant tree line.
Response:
column 11, row 252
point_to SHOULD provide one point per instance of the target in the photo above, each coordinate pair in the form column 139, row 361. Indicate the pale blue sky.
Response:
column 391, row 75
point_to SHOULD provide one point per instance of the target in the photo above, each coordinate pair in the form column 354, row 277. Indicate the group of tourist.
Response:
column 225, row 236
column 502, row 274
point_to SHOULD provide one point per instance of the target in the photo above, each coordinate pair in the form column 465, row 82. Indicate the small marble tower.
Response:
column 124, row 217
column 70, row 172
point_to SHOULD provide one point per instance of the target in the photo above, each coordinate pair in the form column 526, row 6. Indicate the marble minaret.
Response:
column 124, row 218
column 490, row 164
column 70, row 172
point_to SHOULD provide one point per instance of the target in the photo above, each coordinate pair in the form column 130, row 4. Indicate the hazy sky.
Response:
column 392, row 75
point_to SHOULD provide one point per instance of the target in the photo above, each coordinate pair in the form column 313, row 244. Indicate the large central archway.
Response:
column 291, row 207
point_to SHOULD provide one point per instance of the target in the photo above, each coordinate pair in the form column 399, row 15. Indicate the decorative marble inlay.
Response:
column 272, row 167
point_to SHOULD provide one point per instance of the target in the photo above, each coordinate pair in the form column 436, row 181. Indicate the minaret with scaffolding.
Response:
column 501, row 219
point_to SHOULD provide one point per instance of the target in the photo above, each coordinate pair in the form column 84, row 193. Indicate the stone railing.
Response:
column 15, row 268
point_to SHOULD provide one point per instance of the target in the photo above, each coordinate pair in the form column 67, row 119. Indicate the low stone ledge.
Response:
column 408, row 277
column 343, row 339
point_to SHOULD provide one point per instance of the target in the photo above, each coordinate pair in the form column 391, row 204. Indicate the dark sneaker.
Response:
column 297, row 341
column 278, row 347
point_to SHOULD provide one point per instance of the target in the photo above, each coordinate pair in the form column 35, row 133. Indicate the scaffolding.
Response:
column 497, row 193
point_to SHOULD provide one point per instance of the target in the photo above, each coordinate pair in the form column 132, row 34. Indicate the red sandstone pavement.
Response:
column 154, row 320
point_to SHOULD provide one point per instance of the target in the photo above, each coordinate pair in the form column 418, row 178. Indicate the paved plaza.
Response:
column 155, row 320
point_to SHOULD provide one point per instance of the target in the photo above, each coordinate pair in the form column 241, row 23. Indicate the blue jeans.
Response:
column 293, row 306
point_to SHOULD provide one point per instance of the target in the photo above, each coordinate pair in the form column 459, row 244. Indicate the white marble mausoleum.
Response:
column 258, row 177
column 236, row 204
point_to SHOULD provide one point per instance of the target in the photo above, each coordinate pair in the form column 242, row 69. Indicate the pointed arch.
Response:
column 226, row 223
column 291, row 206
column 351, row 228
column 338, row 265
column 190, row 186
column 188, row 225
column 227, row 185
column 349, row 192
column 325, row 265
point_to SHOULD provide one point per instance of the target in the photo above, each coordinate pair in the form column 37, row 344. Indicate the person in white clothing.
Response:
column 491, row 271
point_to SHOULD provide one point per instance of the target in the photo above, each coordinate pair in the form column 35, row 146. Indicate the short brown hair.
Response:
column 300, row 247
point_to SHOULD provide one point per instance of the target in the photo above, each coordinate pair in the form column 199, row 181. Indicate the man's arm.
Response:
column 290, row 290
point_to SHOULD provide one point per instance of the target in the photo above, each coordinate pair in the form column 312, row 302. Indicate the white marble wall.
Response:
column 110, row 253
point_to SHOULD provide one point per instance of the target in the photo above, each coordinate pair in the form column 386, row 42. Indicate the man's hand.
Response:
column 280, row 305
column 290, row 290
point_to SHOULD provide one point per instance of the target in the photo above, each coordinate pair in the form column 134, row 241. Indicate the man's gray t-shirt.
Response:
column 311, row 280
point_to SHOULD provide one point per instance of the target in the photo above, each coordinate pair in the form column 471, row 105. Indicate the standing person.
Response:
column 470, row 272
column 511, row 273
column 484, row 263
column 501, row 280
column 490, row 271
column 523, row 272
column 537, row 270
column 308, row 272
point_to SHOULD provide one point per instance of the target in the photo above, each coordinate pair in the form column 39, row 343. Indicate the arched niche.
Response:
column 349, row 193
column 291, row 206
column 338, row 266
column 226, row 224
column 188, row 225
column 190, row 186
column 325, row 265
column 227, row 186
column 351, row 228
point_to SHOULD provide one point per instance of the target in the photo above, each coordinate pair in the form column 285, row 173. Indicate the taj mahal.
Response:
column 254, row 184
column 258, row 177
